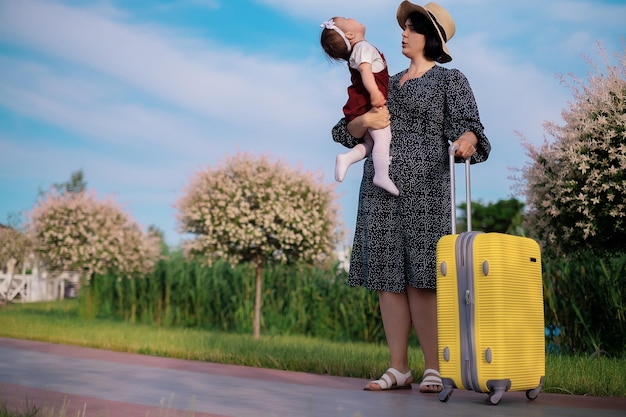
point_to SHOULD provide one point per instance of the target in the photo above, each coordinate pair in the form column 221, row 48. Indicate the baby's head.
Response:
column 337, row 36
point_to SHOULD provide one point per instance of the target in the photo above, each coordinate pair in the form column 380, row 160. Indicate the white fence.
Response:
column 37, row 286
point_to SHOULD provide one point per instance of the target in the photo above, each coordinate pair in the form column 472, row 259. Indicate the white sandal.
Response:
column 431, row 378
column 402, row 381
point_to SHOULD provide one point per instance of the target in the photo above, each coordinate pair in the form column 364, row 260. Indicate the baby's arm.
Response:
column 377, row 99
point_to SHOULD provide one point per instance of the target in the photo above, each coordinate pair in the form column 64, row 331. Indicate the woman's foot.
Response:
column 431, row 382
column 391, row 380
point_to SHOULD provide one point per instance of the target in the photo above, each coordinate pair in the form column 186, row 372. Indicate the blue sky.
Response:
column 141, row 94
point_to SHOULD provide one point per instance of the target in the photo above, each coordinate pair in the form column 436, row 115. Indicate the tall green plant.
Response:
column 585, row 299
column 298, row 299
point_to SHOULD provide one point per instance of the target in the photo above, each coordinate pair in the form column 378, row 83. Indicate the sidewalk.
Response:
column 96, row 383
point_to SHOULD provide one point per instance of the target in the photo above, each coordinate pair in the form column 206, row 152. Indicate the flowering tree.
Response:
column 13, row 245
column 75, row 231
column 252, row 209
column 575, row 186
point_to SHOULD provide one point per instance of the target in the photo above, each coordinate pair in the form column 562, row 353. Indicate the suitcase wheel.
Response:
column 532, row 394
column 495, row 397
column 445, row 394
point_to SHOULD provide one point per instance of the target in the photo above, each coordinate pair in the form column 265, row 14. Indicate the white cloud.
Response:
column 97, row 109
column 190, row 73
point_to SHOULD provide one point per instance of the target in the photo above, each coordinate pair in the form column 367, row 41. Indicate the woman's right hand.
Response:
column 376, row 118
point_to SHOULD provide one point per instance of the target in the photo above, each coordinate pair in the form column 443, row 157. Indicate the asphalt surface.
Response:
column 84, row 382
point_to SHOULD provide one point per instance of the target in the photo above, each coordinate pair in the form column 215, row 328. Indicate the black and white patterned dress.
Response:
column 395, row 237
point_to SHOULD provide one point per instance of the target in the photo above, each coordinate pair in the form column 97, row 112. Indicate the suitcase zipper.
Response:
column 465, row 287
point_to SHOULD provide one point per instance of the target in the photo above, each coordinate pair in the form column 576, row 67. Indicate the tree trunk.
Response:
column 88, row 301
column 257, row 299
column 10, row 272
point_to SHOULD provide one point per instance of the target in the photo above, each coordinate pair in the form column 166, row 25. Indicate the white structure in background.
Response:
column 36, row 286
column 343, row 256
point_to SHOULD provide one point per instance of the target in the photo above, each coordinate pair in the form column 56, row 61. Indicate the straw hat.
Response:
column 436, row 14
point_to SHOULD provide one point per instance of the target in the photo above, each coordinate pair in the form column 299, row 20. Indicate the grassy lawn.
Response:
column 58, row 322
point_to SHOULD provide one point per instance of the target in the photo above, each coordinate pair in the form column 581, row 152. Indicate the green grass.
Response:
column 58, row 322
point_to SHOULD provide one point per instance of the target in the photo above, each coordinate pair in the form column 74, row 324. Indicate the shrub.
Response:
column 575, row 186
column 79, row 232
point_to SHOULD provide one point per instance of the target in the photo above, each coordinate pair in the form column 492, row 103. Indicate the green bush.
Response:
column 585, row 300
column 575, row 183
column 297, row 299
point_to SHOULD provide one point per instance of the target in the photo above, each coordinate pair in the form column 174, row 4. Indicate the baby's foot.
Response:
column 385, row 183
column 341, row 167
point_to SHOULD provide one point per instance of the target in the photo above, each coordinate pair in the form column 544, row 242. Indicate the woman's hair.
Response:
column 334, row 45
column 422, row 24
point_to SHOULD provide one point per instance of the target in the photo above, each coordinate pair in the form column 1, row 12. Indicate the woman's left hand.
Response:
column 466, row 145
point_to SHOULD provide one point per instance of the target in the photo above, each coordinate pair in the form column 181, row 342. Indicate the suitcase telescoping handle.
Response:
column 468, row 198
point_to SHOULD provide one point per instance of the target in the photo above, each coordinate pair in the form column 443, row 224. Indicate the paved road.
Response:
column 95, row 383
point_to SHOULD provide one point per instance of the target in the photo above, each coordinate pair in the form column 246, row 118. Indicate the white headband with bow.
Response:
column 330, row 24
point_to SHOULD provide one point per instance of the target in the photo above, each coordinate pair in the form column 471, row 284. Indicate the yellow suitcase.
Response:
column 489, row 311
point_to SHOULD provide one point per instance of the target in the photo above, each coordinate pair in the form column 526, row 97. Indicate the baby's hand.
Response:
column 377, row 99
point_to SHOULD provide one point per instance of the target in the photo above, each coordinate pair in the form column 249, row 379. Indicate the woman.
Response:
column 394, row 250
